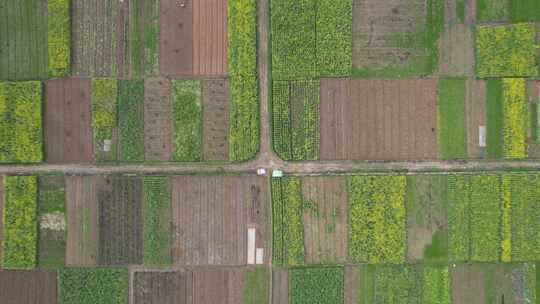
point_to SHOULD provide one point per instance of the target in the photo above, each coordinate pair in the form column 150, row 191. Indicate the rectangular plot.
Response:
column 169, row 287
column 352, row 284
column 68, row 133
column 2, row 192
column 218, row 285
column 325, row 219
column 120, row 221
column 158, row 119
column 468, row 285
column 358, row 120
column 187, row 112
column 210, row 38
column 94, row 37
column 82, row 214
column 176, row 37
column 131, row 120
column 28, row 287
column 475, row 115
column 211, row 216
column 280, row 286
column 457, row 51
column 52, row 222
column 427, row 223
column 23, row 42
column 216, row 109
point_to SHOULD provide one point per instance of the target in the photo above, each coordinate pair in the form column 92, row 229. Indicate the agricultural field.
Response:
column 202, row 285
column 211, row 216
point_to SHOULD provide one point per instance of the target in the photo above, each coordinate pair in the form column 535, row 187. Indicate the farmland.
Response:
column 269, row 151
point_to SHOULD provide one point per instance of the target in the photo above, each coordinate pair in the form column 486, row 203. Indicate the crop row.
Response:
column 244, row 88
column 295, row 119
column 311, row 38
column 20, row 122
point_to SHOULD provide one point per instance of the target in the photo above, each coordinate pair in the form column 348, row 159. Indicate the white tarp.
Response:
column 260, row 256
column 251, row 246
column 482, row 136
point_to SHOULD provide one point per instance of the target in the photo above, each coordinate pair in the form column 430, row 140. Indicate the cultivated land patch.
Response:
column 23, row 42
column 2, row 238
column 52, row 221
column 82, row 215
column 395, row 37
column 216, row 109
column 157, row 119
column 280, row 286
column 194, row 286
column 94, row 46
column 325, row 219
column 193, row 38
column 120, row 220
column 456, row 48
column 427, row 224
column 67, row 122
column 378, row 119
column 475, row 117
column 211, row 216
column 27, row 287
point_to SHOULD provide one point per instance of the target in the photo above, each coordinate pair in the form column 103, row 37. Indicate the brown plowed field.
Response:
column 325, row 220
column 122, row 34
column 450, row 11
column 467, row 285
column 215, row 96
column 1, row 219
column 475, row 115
column 28, row 287
column 68, row 133
column 532, row 87
column 157, row 119
column 280, row 286
column 352, row 284
column 374, row 119
column 375, row 26
column 211, row 215
column 82, row 215
column 210, row 38
column 190, row 286
column 94, row 37
column 456, row 50
column 176, row 37
column 120, row 221
column 470, row 12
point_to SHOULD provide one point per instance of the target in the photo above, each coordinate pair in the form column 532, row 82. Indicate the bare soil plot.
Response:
column 376, row 119
column 190, row 286
column 157, row 119
column 120, row 220
column 2, row 192
column 176, row 37
column 122, row 36
column 163, row 287
column 352, row 284
column 280, row 286
column 82, row 214
column 426, row 216
column 325, row 219
column 475, row 116
column 215, row 96
column 467, row 284
column 28, row 287
column 470, row 12
column 210, row 38
column 211, row 216
column 456, row 49
column 532, row 88
column 377, row 26
column 68, row 133
column 94, row 37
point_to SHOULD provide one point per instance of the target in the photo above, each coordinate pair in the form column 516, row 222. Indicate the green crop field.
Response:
column 104, row 114
column 514, row 126
column 288, row 241
column 20, row 225
column 21, row 138
column 452, row 132
column 506, row 50
column 187, row 117
column 377, row 219
column 131, row 120
column 295, row 113
column 89, row 286
column 157, row 213
column 322, row 285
